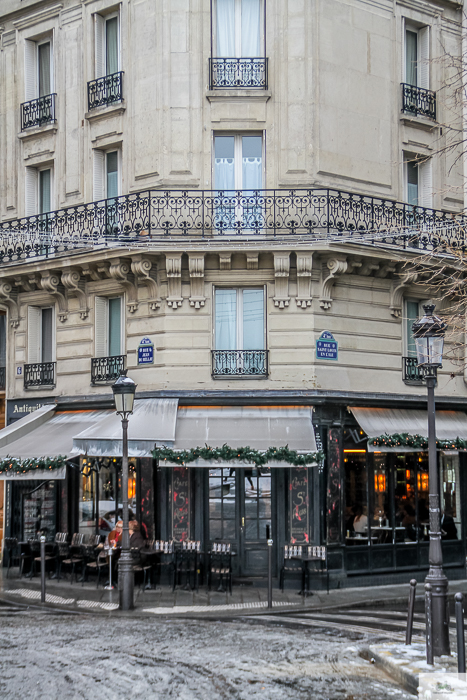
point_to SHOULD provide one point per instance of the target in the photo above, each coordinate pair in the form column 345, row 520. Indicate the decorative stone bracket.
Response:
column 141, row 268
column 330, row 270
column 50, row 282
column 71, row 280
column 396, row 295
column 304, row 270
column 281, row 273
column 173, row 266
column 9, row 297
column 196, row 268
column 119, row 270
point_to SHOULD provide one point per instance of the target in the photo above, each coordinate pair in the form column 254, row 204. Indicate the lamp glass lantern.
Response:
column 429, row 332
column 124, row 391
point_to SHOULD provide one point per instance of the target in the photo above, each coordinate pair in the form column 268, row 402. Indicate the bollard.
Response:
column 408, row 634
column 42, row 568
column 268, row 537
column 460, row 633
column 429, row 624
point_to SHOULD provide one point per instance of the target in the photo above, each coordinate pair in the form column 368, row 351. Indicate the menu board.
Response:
column 39, row 512
column 299, row 505
column 181, row 504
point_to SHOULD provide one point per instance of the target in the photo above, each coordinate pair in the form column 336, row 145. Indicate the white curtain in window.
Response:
column 253, row 319
column 224, row 174
column 226, row 319
column 252, row 174
column 226, row 28
column 251, row 28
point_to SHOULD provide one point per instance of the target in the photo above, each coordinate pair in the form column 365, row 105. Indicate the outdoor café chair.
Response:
column 11, row 545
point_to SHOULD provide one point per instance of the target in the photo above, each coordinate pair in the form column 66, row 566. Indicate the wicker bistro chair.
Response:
column 11, row 547
column 50, row 554
column 187, row 566
column 220, row 566
column 141, row 564
column 164, row 553
column 292, row 567
column 75, row 554
column 90, row 554
column 319, row 560
column 97, row 562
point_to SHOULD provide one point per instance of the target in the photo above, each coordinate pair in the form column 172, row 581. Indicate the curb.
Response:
column 400, row 674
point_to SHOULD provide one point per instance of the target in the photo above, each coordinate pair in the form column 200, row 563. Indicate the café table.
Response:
column 306, row 559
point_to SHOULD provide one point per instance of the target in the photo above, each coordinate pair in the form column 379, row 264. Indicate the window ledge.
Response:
column 226, row 95
column 419, row 122
column 39, row 387
column 34, row 131
column 237, row 377
column 106, row 111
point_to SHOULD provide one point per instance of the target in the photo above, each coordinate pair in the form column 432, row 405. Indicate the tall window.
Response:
column 38, row 191
column 239, row 319
column 40, row 335
column 418, row 182
column 38, row 69
column 239, row 31
column 412, row 313
column 106, row 177
column 417, row 57
column 108, row 319
column 107, row 45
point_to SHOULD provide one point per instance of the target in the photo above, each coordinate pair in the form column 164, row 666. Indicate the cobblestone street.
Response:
column 49, row 656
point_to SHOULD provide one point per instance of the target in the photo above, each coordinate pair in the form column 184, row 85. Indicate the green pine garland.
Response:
column 11, row 465
column 416, row 441
column 243, row 454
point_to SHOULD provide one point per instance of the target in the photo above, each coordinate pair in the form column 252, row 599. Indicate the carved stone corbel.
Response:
column 71, row 280
column 9, row 297
column 196, row 268
column 368, row 268
column 225, row 261
column 385, row 269
column 252, row 261
column 173, row 266
column 396, row 295
column 141, row 268
column 281, row 274
column 119, row 270
column 92, row 272
column 304, row 269
column 50, row 282
column 330, row 270
column 28, row 283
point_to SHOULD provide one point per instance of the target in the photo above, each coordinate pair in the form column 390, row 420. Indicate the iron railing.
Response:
column 234, row 73
column 105, row 90
column 2, row 378
column 416, row 100
column 310, row 215
column 38, row 112
column 39, row 374
column 239, row 363
column 411, row 371
column 107, row 369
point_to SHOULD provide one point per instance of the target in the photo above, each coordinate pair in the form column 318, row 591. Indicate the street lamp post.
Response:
column 429, row 332
column 124, row 393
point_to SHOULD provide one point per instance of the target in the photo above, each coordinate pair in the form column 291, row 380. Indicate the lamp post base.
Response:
column 126, row 581
column 440, row 610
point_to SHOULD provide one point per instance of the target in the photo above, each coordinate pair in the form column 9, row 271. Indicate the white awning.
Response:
column 153, row 421
column 379, row 421
column 258, row 427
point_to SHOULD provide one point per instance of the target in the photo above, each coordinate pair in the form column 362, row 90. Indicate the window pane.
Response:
column 44, row 69
column 226, row 28
column 412, row 315
column 222, row 504
column 115, row 329
column 224, row 163
column 253, row 319
column 2, row 340
column 412, row 184
column 180, row 504
column 356, row 495
column 405, row 490
column 44, row 191
column 111, row 45
column 411, row 58
column 251, row 28
column 450, row 498
column 47, row 321
column 226, row 319
column 112, row 174
column 381, row 527
column 252, row 165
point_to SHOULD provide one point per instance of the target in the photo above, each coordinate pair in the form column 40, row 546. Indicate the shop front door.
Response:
column 240, row 509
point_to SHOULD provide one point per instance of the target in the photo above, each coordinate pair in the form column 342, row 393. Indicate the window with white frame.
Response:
column 38, row 69
column 38, row 191
column 106, row 174
column 412, row 313
column 107, row 45
column 417, row 57
column 108, row 327
column 418, row 175
column 41, row 346
column 238, row 162
column 239, row 28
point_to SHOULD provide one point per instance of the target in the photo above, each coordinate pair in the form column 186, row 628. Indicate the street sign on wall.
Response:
column 326, row 347
column 146, row 352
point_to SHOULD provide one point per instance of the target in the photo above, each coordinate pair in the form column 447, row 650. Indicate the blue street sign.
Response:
column 326, row 347
column 146, row 352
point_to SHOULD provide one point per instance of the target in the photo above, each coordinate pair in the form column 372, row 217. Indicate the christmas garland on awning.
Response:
column 243, row 454
column 416, row 441
column 11, row 465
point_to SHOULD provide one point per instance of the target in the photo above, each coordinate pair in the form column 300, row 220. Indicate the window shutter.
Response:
column 99, row 28
column 424, row 58
column 30, row 70
column 425, row 184
column 34, row 334
column 98, row 183
column 30, row 190
column 115, row 327
column 101, row 321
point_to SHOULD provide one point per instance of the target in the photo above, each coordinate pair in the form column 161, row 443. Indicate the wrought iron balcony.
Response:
column 38, row 112
column 411, row 371
column 2, row 378
column 239, row 363
column 313, row 215
column 105, row 90
column 106, row 369
column 416, row 100
column 238, row 73
column 39, row 374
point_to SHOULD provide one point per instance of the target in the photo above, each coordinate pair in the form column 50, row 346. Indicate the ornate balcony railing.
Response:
column 238, row 73
column 106, row 369
column 2, row 378
column 416, row 100
column 39, row 374
column 239, row 363
column 310, row 215
column 38, row 112
column 411, row 371
column 105, row 90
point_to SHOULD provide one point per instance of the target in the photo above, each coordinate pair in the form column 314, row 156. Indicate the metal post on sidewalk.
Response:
column 460, row 633
column 42, row 568
column 429, row 623
column 268, row 537
column 408, row 634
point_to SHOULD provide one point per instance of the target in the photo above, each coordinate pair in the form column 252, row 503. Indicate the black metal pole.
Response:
column 460, row 633
column 268, row 537
column 436, row 576
column 408, row 634
column 125, row 563
column 42, row 568
column 429, row 623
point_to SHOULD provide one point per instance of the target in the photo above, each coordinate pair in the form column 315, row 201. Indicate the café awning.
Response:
column 380, row 421
column 152, row 422
column 258, row 427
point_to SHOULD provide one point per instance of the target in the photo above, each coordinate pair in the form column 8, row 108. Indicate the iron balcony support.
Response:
column 38, row 112
column 238, row 73
column 39, row 374
column 418, row 101
column 107, row 369
column 105, row 91
column 239, row 363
